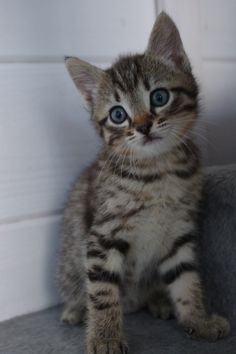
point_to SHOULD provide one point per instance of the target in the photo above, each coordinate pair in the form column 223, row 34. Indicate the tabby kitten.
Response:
column 130, row 224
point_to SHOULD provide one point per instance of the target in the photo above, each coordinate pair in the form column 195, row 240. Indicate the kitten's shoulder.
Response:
column 84, row 181
column 79, row 206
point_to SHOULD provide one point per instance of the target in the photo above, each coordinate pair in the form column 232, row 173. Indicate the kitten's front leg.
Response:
column 105, row 267
column 180, row 274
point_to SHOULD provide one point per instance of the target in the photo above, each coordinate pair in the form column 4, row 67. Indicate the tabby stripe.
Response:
column 99, row 274
column 112, row 232
column 171, row 275
column 117, row 96
column 96, row 254
column 137, row 178
column 189, row 107
column 181, row 241
column 192, row 94
column 116, row 230
column 115, row 130
column 115, row 80
column 101, row 132
column 134, row 211
column 118, row 244
column 91, row 244
column 189, row 150
column 185, row 174
column 109, row 217
column 130, row 134
column 112, row 139
column 176, row 107
column 102, row 305
column 103, row 293
column 146, row 83
column 102, row 121
column 95, row 233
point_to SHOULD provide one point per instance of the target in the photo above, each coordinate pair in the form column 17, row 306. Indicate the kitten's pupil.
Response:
column 118, row 114
column 159, row 98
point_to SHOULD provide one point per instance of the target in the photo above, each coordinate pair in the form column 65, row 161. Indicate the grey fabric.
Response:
column 218, row 239
column 42, row 333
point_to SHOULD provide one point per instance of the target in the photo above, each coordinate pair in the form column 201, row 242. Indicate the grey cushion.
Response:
column 42, row 333
column 218, row 239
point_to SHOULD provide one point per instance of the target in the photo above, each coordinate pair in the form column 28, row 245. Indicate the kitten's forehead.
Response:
column 129, row 71
column 132, row 78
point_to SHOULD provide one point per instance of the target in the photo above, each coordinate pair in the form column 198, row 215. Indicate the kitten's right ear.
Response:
column 85, row 76
column 165, row 41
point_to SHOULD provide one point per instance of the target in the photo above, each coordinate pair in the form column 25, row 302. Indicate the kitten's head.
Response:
column 144, row 103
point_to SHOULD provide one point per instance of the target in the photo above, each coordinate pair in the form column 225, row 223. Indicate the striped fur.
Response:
column 130, row 236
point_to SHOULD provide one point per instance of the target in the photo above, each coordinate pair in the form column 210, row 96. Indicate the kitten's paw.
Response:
column 210, row 328
column 73, row 316
column 161, row 308
column 107, row 346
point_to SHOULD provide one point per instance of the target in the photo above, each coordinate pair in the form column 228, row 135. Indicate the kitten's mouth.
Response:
column 151, row 139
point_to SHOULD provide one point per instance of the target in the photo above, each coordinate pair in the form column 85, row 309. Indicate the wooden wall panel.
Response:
column 27, row 266
column 91, row 28
column 46, row 138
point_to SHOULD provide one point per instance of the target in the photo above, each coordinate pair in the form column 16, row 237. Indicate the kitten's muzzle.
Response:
column 151, row 138
column 144, row 128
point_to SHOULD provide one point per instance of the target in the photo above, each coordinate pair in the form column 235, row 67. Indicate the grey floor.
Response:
column 42, row 333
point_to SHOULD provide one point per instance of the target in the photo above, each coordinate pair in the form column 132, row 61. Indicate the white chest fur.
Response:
column 155, row 228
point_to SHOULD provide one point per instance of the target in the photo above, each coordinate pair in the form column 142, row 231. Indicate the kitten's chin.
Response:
column 153, row 148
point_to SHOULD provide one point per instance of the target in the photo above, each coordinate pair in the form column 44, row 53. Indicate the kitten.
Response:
column 130, row 233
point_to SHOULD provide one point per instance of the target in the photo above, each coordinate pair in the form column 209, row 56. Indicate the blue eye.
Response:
column 118, row 115
column 159, row 97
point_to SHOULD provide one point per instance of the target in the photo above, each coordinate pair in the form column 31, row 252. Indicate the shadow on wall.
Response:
column 221, row 140
column 219, row 110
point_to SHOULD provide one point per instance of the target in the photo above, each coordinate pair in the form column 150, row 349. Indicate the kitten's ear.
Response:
column 165, row 42
column 85, row 76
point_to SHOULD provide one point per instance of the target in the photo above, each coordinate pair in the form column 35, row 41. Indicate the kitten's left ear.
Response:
column 85, row 76
column 165, row 42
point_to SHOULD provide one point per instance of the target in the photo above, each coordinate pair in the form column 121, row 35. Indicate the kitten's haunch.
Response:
column 130, row 236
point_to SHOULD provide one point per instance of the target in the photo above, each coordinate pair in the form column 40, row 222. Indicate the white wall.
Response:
column 45, row 135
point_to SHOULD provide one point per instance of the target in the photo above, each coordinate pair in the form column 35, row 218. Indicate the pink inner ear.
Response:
column 85, row 76
column 165, row 41
column 87, row 85
column 178, row 58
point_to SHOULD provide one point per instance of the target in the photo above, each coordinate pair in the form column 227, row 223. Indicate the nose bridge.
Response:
column 138, row 106
column 142, row 119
